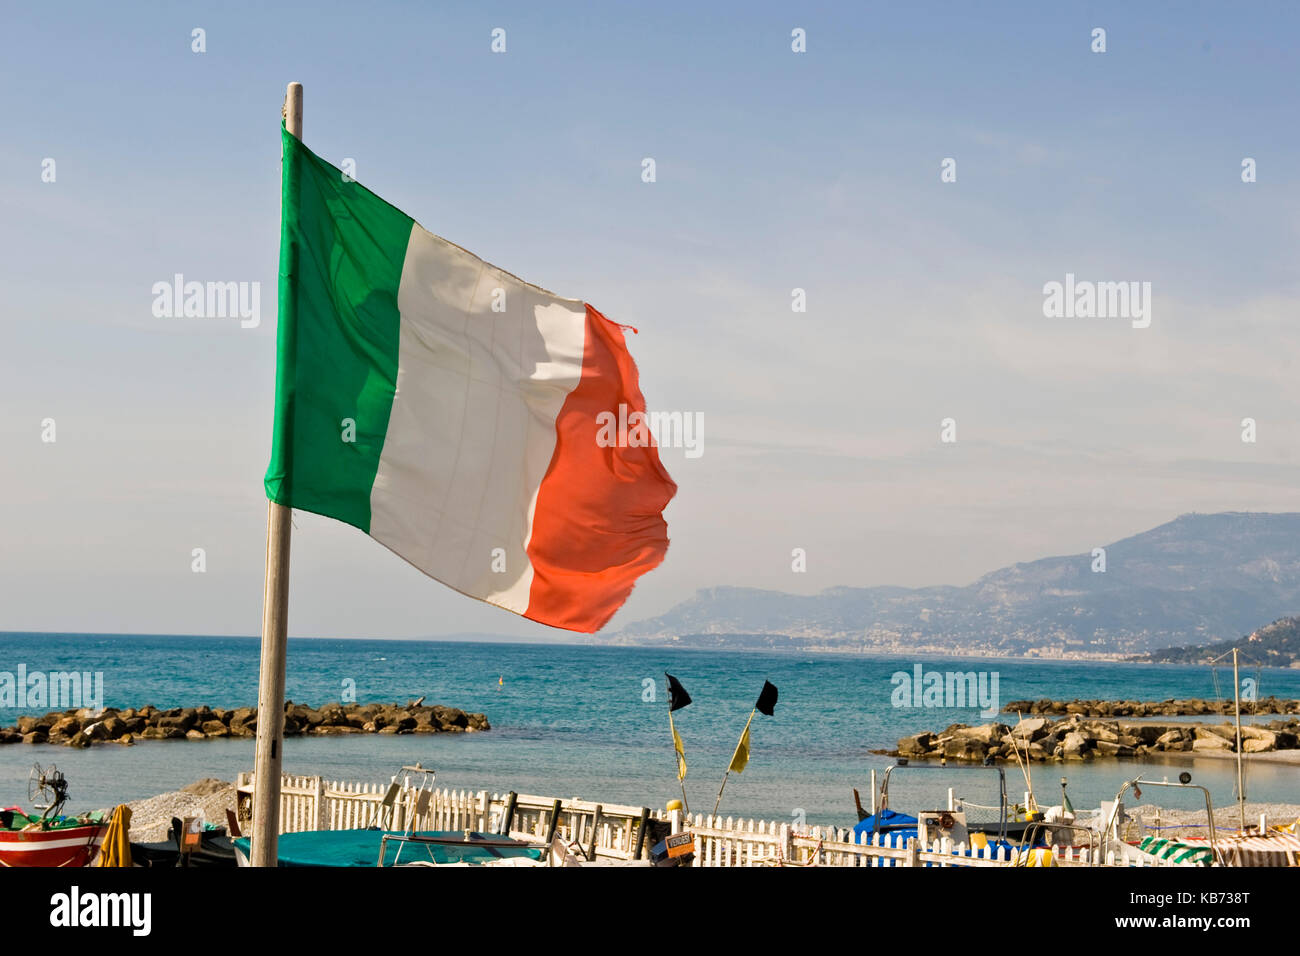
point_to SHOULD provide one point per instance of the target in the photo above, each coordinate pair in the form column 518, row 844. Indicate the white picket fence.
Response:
column 611, row 830
column 312, row 803
column 728, row 842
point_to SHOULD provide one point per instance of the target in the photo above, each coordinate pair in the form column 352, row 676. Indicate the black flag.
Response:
column 677, row 696
column 767, row 699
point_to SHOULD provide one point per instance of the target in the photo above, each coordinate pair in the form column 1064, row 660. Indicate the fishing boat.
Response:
column 956, row 823
column 1247, row 847
column 50, row 839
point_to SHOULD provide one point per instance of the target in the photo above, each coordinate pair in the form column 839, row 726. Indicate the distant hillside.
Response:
column 1198, row 579
column 1276, row 645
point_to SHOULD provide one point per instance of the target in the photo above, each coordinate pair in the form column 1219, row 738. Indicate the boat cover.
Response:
column 884, row 820
column 361, row 848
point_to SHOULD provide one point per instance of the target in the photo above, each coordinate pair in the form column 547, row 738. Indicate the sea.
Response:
column 591, row 722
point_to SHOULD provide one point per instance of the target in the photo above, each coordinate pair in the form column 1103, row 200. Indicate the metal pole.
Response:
column 720, row 789
column 275, row 626
column 1241, row 780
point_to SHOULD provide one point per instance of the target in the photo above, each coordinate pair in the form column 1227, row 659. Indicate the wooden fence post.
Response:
column 318, row 804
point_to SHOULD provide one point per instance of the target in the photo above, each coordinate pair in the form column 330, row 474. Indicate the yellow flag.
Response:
column 741, row 756
column 677, row 745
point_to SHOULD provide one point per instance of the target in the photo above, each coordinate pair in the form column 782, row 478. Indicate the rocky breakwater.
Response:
column 1190, row 707
column 1081, row 738
column 82, row 728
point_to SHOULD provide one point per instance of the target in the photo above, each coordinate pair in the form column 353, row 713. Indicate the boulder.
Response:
column 195, row 735
column 1174, row 739
column 1145, row 733
column 1222, row 733
column 65, row 727
column 1030, row 728
column 35, row 737
column 215, row 728
column 1107, row 732
column 1210, row 742
column 986, row 734
column 965, row 748
column 1258, row 733
column 80, row 739
column 1073, row 745
column 1108, row 748
column 333, row 715
column 182, row 721
column 27, row 724
column 450, row 717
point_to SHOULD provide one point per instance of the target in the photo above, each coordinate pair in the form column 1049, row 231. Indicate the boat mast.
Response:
column 1236, row 696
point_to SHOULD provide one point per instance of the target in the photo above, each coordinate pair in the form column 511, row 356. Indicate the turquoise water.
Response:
column 575, row 721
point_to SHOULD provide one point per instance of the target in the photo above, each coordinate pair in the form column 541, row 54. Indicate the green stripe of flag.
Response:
column 341, row 255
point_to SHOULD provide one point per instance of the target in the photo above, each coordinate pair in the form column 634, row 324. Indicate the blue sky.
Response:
column 775, row 170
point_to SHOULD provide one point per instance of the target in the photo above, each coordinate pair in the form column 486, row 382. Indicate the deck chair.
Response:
column 383, row 818
column 421, row 810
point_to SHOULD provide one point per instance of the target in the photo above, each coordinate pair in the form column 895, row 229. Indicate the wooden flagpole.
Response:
column 275, row 626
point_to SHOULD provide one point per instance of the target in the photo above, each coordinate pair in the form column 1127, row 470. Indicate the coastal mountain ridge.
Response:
column 1196, row 580
column 1274, row 645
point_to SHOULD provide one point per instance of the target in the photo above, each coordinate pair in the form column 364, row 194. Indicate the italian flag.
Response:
column 449, row 410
